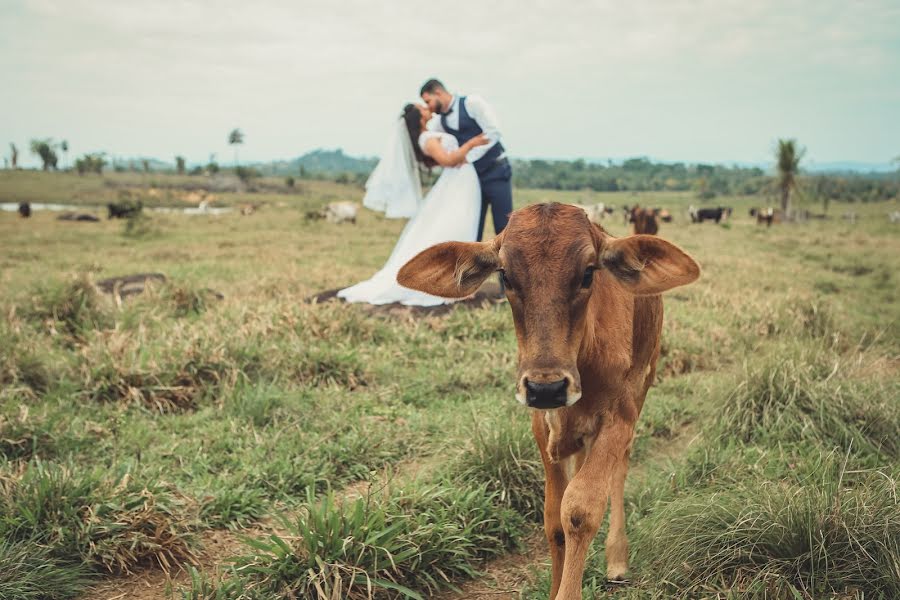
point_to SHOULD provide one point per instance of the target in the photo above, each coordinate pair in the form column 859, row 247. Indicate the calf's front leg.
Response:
column 585, row 499
column 554, row 487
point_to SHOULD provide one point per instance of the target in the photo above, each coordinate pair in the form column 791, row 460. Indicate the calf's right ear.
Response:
column 451, row 269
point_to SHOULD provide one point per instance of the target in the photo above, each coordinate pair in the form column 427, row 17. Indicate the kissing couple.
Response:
column 461, row 135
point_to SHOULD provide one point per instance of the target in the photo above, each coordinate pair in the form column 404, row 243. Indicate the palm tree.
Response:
column 45, row 149
column 64, row 146
column 788, row 156
column 234, row 138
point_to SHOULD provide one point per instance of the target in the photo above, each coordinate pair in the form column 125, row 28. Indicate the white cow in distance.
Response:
column 341, row 212
column 595, row 212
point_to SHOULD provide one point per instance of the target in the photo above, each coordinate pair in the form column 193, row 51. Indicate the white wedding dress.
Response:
column 450, row 212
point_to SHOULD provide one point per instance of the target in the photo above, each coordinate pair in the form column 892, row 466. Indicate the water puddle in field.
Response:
column 188, row 210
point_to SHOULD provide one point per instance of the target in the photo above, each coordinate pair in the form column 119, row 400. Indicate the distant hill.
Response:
column 319, row 161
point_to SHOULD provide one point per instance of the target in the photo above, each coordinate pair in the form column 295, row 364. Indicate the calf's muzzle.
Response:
column 546, row 395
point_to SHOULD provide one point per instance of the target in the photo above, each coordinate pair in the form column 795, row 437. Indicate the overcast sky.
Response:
column 712, row 80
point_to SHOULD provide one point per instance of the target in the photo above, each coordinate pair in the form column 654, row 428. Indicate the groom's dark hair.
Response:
column 431, row 86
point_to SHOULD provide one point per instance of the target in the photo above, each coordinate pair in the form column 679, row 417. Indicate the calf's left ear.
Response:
column 451, row 269
column 648, row 265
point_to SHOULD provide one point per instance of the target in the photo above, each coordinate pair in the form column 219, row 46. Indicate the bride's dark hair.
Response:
column 413, row 119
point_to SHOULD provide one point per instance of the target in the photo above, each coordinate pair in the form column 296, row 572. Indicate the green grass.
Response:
column 221, row 399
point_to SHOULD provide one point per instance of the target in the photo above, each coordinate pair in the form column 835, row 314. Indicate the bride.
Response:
column 450, row 211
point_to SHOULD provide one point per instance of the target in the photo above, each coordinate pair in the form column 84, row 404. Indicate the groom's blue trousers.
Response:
column 496, row 192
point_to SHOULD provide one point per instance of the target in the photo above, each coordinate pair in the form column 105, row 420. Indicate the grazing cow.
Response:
column 24, row 210
column 644, row 220
column 588, row 317
column 894, row 216
column 709, row 214
column 71, row 216
column 763, row 215
column 124, row 209
column 664, row 215
column 341, row 212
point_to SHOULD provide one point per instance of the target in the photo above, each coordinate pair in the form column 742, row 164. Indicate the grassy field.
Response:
column 349, row 453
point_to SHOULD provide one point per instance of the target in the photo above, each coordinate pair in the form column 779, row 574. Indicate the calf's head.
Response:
column 549, row 257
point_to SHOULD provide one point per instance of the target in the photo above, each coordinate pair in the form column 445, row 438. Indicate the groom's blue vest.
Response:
column 468, row 129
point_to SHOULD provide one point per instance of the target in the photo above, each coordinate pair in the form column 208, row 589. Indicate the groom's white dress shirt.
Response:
column 483, row 114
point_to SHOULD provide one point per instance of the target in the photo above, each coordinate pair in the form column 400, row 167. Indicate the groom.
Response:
column 465, row 117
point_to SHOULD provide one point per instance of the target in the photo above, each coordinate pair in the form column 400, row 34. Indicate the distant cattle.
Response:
column 644, row 220
column 596, row 212
column 124, row 209
column 24, row 210
column 71, row 216
column 248, row 209
column 709, row 214
column 763, row 215
column 336, row 212
column 663, row 215
column 341, row 212
column 894, row 216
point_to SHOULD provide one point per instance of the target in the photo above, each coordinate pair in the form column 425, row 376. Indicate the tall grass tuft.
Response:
column 113, row 524
column 74, row 308
column 779, row 540
column 811, row 397
column 504, row 458
column 408, row 544
column 29, row 571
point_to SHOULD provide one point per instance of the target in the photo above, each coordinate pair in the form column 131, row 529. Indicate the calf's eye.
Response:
column 588, row 278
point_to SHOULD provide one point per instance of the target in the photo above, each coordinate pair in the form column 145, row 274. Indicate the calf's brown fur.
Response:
column 588, row 317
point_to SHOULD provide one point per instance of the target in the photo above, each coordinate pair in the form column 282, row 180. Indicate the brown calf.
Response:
column 588, row 316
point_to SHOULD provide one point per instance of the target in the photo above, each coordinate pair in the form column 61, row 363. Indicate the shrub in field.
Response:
column 29, row 571
column 779, row 540
column 807, row 396
column 80, row 515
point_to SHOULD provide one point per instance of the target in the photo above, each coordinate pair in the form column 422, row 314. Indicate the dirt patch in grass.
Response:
column 505, row 577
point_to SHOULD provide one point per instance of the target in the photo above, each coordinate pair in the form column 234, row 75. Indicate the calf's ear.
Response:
column 451, row 269
column 646, row 265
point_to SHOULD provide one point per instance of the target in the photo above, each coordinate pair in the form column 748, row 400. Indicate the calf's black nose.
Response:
column 546, row 395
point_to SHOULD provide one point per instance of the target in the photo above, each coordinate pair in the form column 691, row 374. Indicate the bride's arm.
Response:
column 435, row 150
